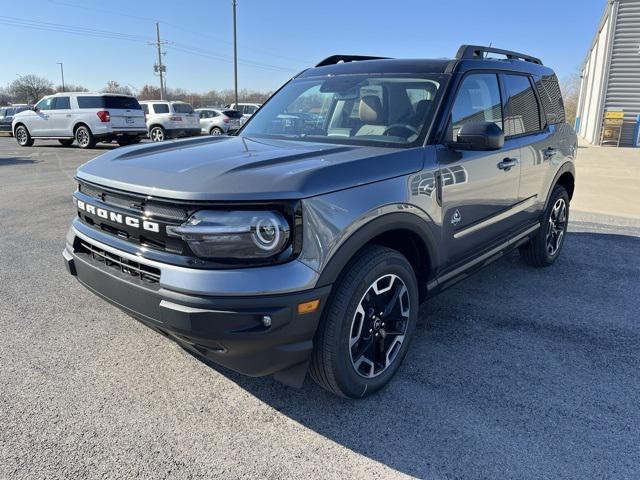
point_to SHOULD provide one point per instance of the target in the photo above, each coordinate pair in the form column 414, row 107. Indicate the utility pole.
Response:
column 235, row 54
column 159, row 67
column 62, row 74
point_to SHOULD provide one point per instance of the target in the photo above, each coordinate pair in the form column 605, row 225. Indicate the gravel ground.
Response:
column 514, row 373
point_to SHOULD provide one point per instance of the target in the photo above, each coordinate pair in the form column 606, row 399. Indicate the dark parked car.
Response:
column 307, row 242
column 6, row 116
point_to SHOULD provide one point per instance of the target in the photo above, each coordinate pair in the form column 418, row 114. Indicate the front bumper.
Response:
column 228, row 330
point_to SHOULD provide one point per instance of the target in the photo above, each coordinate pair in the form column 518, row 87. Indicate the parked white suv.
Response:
column 166, row 119
column 84, row 117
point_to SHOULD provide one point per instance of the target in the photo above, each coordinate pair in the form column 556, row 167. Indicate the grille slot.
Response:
column 123, row 265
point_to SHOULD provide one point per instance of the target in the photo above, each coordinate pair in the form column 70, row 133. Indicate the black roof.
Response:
column 469, row 57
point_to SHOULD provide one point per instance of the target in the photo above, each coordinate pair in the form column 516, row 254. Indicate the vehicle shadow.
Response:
column 6, row 161
column 516, row 372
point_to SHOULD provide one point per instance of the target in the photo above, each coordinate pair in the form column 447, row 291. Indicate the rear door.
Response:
column 125, row 112
column 526, row 126
column 477, row 190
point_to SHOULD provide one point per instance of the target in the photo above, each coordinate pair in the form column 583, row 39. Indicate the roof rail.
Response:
column 477, row 52
column 333, row 59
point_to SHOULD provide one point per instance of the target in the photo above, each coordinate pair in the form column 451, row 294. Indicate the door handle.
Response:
column 549, row 153
column 507, row 164
column 68, row 115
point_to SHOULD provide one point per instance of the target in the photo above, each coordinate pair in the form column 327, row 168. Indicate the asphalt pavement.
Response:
column 513, row 373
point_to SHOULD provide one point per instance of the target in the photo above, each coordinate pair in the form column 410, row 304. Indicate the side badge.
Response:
column 456, row 218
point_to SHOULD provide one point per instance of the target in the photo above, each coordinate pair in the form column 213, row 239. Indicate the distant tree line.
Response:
column 31, row 88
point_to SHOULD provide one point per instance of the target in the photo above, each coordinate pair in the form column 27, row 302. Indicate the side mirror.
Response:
column 479, row 136
column 35, row 109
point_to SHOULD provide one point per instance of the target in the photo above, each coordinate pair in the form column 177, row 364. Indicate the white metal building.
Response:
column 611, row 74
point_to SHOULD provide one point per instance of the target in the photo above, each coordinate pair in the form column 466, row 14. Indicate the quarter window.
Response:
column 478, row 100
column 160, row 108
column 522, row 107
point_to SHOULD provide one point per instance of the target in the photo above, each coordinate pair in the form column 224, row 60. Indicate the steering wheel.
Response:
column 412, row 130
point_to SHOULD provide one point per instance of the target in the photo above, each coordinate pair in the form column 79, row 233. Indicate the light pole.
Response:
column 62, row 74
column 235, row 54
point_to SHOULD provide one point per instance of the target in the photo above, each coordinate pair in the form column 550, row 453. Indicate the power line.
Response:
column 101, row 34
column 179, row 27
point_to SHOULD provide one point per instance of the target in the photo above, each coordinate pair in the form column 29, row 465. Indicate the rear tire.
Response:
column 544, row 248
column 66, row 142
column 84, row 137
column 367, row 327
column 23, row 137
column 157, row 134
column 216, row 132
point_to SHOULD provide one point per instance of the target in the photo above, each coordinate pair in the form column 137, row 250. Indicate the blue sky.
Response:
column 277, row 38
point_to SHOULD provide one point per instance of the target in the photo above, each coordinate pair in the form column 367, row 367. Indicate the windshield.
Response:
column 351, row 109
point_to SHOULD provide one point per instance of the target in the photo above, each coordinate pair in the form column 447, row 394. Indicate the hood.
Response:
column 241, row 168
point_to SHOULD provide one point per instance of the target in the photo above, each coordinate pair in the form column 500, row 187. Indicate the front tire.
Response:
column 23, row 137
column 157, row 134
column 368, row 324
column 545, row 247
column 84, row 137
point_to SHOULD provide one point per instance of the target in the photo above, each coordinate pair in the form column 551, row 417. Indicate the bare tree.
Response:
column 29, row 89
column 570, row 87
column 115, row 87
column 5, row 98
column 149, row 92
column 70, row 87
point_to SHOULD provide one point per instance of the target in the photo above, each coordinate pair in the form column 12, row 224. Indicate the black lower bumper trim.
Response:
column 229, row 331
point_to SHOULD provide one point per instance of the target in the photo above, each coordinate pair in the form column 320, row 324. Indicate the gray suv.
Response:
column 360, row 189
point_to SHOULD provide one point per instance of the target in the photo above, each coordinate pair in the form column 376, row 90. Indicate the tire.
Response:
column 84, row 137
column 343, row 339
column 23, row 137
column 544, row 248
column 67, row 142
column 216, row 132
column 157, row 134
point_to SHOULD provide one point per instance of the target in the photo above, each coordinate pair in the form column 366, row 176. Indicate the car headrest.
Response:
column 421, row 108
column 370, row 110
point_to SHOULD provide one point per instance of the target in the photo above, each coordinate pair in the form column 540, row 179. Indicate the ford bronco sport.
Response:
column 307, row 242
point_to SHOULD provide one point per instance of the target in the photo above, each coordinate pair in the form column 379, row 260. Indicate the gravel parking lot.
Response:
column 515, row 373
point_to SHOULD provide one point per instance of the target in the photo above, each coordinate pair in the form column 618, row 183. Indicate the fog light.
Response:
column 266, row 321
column 308, row 307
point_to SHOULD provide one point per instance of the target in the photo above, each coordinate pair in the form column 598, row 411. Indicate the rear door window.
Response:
column 551, row 99
column 522, row 106
column 160, row 108
column 62, row 103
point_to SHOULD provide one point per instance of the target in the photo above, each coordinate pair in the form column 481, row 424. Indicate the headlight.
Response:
column 234, row 234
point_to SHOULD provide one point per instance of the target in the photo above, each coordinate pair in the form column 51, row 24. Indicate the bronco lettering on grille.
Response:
column 114, row 217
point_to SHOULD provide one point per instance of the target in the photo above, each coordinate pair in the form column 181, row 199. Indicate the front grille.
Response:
column 123, row 265
column 137, row 205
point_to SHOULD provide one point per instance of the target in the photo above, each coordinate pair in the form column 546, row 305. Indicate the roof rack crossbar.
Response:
column 478, row 52
column 333, row 59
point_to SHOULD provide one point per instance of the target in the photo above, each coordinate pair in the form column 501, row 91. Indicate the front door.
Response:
column 39, row 122
column 479, row 189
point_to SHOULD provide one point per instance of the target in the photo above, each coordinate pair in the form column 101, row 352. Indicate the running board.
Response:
column 448, row 279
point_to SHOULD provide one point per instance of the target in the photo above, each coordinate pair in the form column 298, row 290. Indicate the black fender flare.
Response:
column 567, row 166
column 385, row 223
